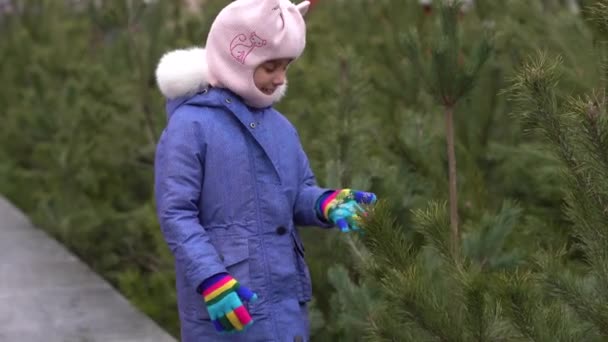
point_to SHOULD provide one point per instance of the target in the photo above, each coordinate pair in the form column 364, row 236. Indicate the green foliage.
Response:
column 355, row 303
column 449, row 75
column 428, row 291
column 80, row 117
column 80, row 122
column 576, row 130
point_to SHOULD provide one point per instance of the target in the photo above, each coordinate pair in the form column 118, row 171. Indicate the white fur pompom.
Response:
column 182, row 72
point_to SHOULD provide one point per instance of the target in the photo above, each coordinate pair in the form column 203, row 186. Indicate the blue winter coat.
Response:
column 231, row 185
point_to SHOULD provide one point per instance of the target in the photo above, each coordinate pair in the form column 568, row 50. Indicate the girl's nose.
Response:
column 279, row 79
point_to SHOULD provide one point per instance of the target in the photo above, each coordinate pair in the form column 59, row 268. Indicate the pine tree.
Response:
column 576, row 130
column 449, row 77
column 483, row 295
column 490, row 292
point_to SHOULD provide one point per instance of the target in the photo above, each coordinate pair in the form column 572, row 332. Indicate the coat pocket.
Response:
column 234, row 253
column 304, row 281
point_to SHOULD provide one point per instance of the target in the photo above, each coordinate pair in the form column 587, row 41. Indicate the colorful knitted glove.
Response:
column 224, row 298
column 342, row 207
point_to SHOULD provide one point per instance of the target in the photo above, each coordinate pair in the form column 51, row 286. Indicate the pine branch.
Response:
column 533, row 87
column 580, row 143
column 383, row 327
column 592, row 113
column 385, row 240
column 474, row 65
column 574, row 294
column 593, row 138
column 587, row 216
column 415, row 159
column 597, row 15
column 412, row 299
column 412, row 47
column 538, row 318
column 599, row 271
column 574, row 291
column 485, row 240
column 354, row 302
column 484, row 316
column 434, row 224
column 522, row 306
column 475, row 291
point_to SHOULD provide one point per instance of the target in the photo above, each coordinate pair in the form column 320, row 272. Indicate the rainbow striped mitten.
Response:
column 342, row 207
column 224, row 298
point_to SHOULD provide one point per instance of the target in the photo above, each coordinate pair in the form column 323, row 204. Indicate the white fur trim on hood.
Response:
column 182, row 72
column 185, row 72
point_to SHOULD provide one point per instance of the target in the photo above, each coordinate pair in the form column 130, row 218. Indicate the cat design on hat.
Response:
column 240, row 48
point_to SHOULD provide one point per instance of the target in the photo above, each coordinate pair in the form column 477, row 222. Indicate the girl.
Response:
column 232, row 180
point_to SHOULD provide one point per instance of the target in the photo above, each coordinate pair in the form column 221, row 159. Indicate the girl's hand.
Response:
column 342, row 207
column 224, row 298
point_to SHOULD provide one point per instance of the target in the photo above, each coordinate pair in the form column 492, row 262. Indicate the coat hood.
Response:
column 185, row 72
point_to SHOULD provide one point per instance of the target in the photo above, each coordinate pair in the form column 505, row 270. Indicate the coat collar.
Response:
column 249, row 118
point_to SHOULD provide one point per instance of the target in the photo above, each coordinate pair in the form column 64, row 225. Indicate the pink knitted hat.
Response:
column 247, row 33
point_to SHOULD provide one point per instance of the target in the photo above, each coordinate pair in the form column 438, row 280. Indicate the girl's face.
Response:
column 269, row 75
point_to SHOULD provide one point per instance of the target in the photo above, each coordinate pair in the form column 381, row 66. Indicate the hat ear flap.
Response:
column 303, row 7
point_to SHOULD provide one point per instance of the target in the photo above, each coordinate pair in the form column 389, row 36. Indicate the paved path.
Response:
column 48, row 295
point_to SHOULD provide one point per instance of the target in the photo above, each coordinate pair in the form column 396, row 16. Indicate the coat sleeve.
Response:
column 308, row 193
column 179, row 164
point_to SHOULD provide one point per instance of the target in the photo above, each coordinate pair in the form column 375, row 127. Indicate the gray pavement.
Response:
column 48, row 295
